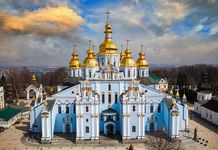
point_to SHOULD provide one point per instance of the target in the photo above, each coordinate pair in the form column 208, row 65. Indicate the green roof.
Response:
column 155, row 77
column 8, row 113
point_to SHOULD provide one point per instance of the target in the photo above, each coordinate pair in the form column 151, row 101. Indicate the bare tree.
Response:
column 160, row 141
column 13, row 79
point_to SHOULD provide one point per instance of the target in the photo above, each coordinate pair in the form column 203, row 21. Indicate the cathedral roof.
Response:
column 212, row 105
column 109, row 110
column 147, row 81
column 72, row 81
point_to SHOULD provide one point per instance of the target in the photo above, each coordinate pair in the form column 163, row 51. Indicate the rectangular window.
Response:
column 59, row 109
column 116, row 98
column 109, row 98
column 87, row 109
column 109, row 87
column 151, row 108
column 133, row 129
column 133, row 108
column 102, row 98
column 159, row 108
column 90, row 74
column 128, row 73
column 67, row 109
column 87, row 129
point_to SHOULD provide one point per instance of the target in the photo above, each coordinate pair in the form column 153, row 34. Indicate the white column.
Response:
column 143, row 120
column 128, row 120
column 124, row 120
column 48, row 126
column 92, row 121
column 172, row 126
column 77, row 127
column 177, row 127
column 81, row 121
column 97, row 121
column 43, row 126
column 139, row 127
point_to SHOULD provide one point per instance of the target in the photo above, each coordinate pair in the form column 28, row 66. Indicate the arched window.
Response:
column 159, row 108
column 87, row 109
column 133, row 129
column 133, row 108
column 109, row 98
column 59, row 109
column 128, row 72
column 142, row 73
column 109, row 87
column 74, row 108
column 151, row 108
column 102, row 98
column 90, row 74
column 67, row 109
column 87, row 129
column 116, row 98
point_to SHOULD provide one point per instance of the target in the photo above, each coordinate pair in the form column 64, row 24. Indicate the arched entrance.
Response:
column 110, row 129
column 67, row 128
column 151, row 127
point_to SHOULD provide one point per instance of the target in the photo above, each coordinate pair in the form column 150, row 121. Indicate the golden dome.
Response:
column 128, row 61
column 108, row 47
column 122, row 55
column 90, row 60
column 74, row 62
column 142, row 62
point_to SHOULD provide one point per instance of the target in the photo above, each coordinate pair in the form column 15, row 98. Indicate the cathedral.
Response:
column 109, row 93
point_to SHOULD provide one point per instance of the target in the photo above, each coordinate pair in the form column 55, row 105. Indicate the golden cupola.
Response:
column 74, row 62
column 90, row 61
column 122, row 55
column 108, row 47
column 128, row 61
column 142, row 62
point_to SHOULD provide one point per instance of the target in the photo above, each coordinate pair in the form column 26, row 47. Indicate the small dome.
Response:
column 90, row 60
column 74, row 62
column 128, row 61
column 122, row 55
column 142, row 62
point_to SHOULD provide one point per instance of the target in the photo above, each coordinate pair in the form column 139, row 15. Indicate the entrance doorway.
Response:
column 67, row 128
column 110, row 129
column 151, row 127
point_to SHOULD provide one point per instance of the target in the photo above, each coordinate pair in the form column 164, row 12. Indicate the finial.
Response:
column 127, row 43
column 107, row 13
column 90, row 43
column 93, row 47
column 121, row 46
column 74, row 47
column 141, row 47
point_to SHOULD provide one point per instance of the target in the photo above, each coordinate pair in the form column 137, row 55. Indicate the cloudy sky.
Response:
column 43, row 32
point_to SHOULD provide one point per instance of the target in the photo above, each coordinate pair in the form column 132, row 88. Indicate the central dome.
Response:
column 108, row 47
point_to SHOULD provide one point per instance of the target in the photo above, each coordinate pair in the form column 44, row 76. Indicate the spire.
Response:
column 33, row 79
column 108, row 47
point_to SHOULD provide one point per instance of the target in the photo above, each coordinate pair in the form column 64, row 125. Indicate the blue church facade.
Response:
column 109, row 93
